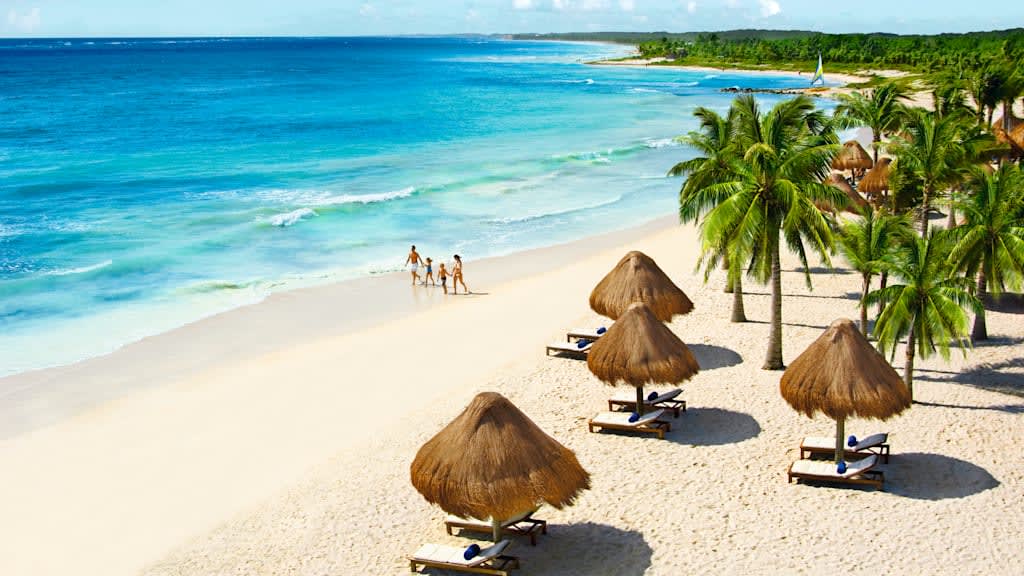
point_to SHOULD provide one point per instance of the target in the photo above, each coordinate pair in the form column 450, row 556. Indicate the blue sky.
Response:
column 372, row 17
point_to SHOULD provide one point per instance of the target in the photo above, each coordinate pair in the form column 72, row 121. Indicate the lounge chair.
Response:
column 857, row 472
column 570, row 349
column 523, row 525
column 586, row 333
column 489, row 561
column 647, row 424
column 875, row 444
column 667, row 400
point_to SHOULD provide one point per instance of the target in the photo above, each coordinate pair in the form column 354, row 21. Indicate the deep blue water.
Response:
column 148, row 183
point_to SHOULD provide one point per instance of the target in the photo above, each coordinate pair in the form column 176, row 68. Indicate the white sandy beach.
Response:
column 292, row 458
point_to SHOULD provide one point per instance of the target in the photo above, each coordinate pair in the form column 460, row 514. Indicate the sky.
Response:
column 73, row 18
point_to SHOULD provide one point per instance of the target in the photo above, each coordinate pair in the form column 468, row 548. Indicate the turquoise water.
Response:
column 145, row 184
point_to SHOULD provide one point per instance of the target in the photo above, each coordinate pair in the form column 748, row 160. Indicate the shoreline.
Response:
column 37, row 398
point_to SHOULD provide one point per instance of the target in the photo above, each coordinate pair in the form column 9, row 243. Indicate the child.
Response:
column 430, row 273
column 442, row 275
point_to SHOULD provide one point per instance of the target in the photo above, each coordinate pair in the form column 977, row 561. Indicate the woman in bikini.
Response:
column 457, row 276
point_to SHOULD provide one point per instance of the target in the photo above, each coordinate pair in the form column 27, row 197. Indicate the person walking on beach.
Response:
column 442, row 275
column 430, row 273
column 457, row 276
column 413, row 260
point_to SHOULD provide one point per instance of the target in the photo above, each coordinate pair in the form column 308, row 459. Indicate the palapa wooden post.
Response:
column 840, row 435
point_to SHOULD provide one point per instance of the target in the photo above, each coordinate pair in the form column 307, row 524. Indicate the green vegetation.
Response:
column 761, row 178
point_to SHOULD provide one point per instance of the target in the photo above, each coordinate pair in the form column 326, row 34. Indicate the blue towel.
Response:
column 602, row 330
column 851, row 441
column 841, row 467
column 634, row 417
column 652, row 396
column 471, row 552
column 582, row 343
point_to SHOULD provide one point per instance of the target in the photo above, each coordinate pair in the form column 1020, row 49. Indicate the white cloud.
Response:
column 560, row 4
column 27, row 22
column 522, row 4
column 472, row 15
column 732, row 3
column 627, row 5
column 769, row 7
column 691, row 7
column 366, row 9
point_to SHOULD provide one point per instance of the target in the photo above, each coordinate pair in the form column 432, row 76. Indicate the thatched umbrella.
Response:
column 856, row 200
column 637, row 278
column 852, row 157
column 638, row 349
column 492, row 461
column 842, row 375
column 877, row 179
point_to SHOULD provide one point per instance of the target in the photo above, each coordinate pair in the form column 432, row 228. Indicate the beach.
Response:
column 295, row 460
column 276, row 437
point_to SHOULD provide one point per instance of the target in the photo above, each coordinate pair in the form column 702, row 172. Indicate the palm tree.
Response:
column 786, row 156
column 867, row 243
column 928, row 308
column 932, row 152
column 880, row 110
column 990, row 243
column 714, row 141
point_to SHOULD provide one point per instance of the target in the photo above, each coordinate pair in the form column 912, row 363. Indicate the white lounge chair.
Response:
column 626, row 398
column 857, row 472
column 647, row 424
column 586, row 333
column 571, row 349
column 875, row 444
column 489, row 561
column 523, row 524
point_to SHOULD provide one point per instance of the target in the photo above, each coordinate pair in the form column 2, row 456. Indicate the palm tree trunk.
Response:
column 738, row 313
column 951, row 221
column 925, row 202
column 908, row 368
column 980, row 330
column 883, row 281
column 876, row 139
column 728, row 277
column 773, row 361
column 865, row 287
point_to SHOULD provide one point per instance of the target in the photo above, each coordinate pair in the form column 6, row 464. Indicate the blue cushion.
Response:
column 471, row 552
column 841, row 467
column 634, row 417
column 582, row 343
column 652, row 396
column 602, row 330
column 851, row 441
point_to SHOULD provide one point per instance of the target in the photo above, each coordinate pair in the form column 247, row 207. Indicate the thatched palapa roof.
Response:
column 492, row 461
column 637, row 278
column 842, row 375
column 639, row 349
column 856, row 200
column 877, row 179
column 852, row 157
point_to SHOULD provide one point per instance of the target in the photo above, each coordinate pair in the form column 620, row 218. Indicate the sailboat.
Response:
column 819, row 73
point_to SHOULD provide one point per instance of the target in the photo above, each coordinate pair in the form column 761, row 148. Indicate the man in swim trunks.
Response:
column 414, row 261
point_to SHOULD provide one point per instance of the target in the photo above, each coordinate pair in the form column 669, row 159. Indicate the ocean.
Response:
column 147, row 183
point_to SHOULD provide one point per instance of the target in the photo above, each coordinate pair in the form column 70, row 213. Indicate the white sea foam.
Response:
column 80, row 270
column 645, row 91
column 289, row 218
column 367, row 198
column 662, row 143
column 563, row 212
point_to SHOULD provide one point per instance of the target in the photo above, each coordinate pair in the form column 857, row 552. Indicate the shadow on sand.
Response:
column 710, row 357
column 611, row 551
column 713, row 427
column 1006, row 376
column 935, row 477
column 844, row 296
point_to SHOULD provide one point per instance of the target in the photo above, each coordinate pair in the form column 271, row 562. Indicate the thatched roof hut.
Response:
column 637, row 278
column 492, row 461
column 852, row 157
column 841, row 375
column 856, row 200
column 877, row 179
column 639, row 349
